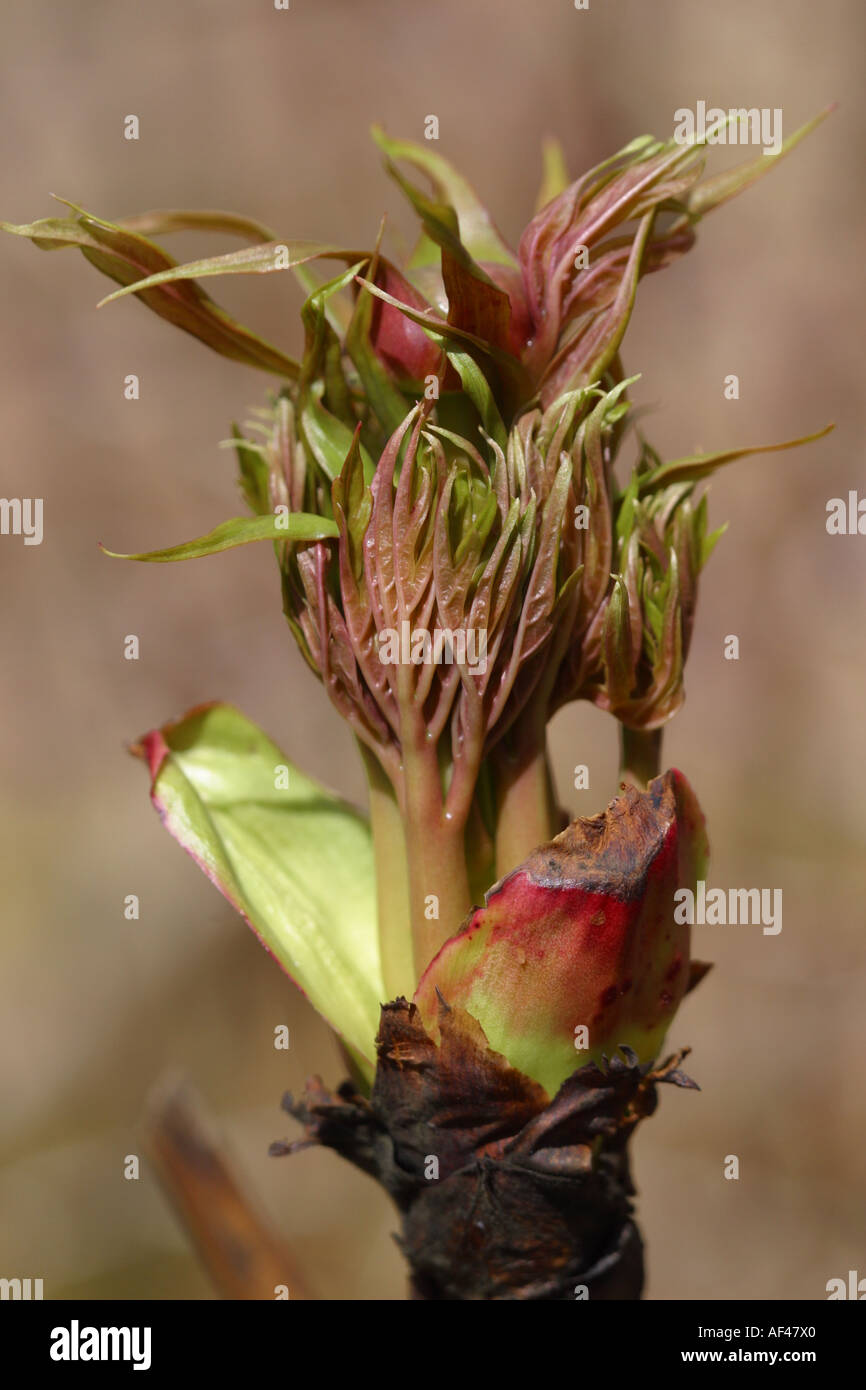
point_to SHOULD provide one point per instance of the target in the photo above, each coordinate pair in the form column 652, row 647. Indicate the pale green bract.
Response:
column 293, row 859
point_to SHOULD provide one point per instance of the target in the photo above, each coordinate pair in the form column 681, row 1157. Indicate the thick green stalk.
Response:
column 526, row 811
column 438, row 878
column 640, row 755
column 392, row 881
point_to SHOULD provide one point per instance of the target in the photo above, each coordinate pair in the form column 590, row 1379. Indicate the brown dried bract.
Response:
column 503, row 1193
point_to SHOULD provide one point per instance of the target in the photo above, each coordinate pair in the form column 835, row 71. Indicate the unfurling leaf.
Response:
column 129, row 258
column 241, row 530
column 293, row 859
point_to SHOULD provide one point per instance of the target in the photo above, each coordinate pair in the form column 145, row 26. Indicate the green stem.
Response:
column 640, row 755
column 438, row 878
column 392, row 881
column 526, row 810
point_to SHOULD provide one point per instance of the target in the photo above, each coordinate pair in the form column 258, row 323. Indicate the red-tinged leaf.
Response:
column 700, row 465
column 620, row 657
column 265, row 259
column 509, row 369
column 164, row 221
column 129, row 259
column 352, row 501
column 475, row 303
column 587, row 358
column 414, row 518
column 380, row 542
column 581, row 935
column 241, row 530
column 477, row 231
column 520, row 326
column 713, row 192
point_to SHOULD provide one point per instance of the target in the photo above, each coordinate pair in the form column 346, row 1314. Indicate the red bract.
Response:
column 581, row 937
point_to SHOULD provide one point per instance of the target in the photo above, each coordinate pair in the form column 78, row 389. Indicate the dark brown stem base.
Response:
column 503, row 1193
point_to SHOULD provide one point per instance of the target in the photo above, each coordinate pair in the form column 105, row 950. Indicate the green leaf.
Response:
column 554, row 179
column 477, row 388
column 328, row 436
column 700, row 465
column 353, row 507
column 241, row 530
column 253, row 260
column 625, row 514
column 389, row 406
column 477, row 232
column 164, row 221
column 337, row 312
column 710, row 542
column 130, row 259
column 295, row 861
column 475, row 303
column 329, row 439
column 615, row 320
column 713, row 192
column 253, row 474
column 318, row 331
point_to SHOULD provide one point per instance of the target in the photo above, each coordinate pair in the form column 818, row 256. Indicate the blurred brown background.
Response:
column 267, row 113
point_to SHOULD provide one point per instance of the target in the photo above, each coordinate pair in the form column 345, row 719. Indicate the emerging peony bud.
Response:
column 439, row 617
column 551, row 317
column 437, row 476
column 576, row 952
column 457, row 561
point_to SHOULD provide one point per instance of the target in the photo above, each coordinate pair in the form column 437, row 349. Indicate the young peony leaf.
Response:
column 329, row 439
column 700, row 465
column 477, row 231
column 253, row 474
column 459, row 339
column 125, row 256
column 477, row 388
column 255, row 260
column 319, row 334
column 164, row 221
column 554, row 178
column 582, row 935
column 712, row 193
column 241, row 530
column 475, row 302
column 293, row 859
